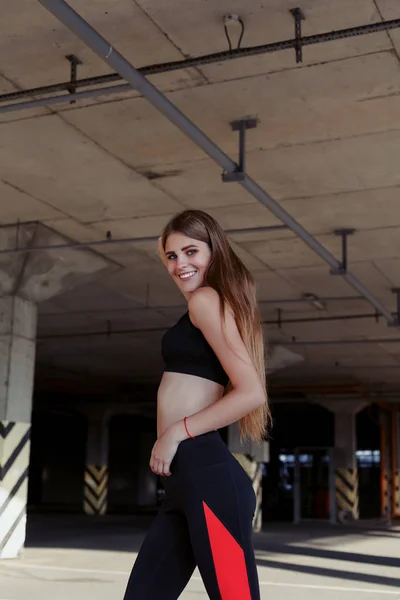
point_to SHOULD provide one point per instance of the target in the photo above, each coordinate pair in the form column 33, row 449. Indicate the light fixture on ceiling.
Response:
column 232, row 19
column 315, row 301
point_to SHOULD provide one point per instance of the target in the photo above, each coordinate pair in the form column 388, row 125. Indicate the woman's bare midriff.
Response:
column 180, row 395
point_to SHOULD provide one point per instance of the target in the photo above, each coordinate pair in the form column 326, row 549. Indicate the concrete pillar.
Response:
column 390, row 461
column 386, row 465
column 346, row 471
column 26, row 279
column 95, row 486
column 251, row 457
column 17, row 358
column 397, row 461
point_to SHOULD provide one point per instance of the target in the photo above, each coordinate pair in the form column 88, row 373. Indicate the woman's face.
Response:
column 188, row 260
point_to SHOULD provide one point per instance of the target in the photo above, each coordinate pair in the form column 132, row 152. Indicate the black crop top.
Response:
column 185, row 350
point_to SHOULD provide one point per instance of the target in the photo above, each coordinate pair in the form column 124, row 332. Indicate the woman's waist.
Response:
column 179, row 397
column 187, row 384
column 200, row 452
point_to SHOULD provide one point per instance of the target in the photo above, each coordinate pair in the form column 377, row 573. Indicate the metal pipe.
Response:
column 74, row 22
column 208, row 59
column 110, row 332
column 321, row 319
column 342, row 342
column 184, row 306
column 115, row 89
column 130, row 240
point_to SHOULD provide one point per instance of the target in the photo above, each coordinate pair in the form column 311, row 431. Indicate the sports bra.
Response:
column 185, row 350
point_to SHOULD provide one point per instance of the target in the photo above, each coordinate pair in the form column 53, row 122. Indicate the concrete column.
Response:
column 390, row 461
column 397, row 474
column 26, row 280
column 386, row 471
column 95, row 487
column 251, row 457
column 346, row 471
column 17, row 358
column 344, row 455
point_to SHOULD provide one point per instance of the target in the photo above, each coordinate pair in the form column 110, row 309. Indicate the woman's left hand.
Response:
column 164, row 451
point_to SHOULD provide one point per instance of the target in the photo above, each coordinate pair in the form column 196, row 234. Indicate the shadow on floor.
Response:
column 126, row 533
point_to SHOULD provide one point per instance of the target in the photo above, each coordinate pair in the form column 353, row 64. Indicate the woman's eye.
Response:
column 191, row 252
column 170, row 256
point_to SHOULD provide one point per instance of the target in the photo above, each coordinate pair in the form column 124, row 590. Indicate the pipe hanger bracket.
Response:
column 241, row 125
column 343, row 233
column 298, row 17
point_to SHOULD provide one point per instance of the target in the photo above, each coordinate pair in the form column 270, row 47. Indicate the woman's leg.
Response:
column 165, row 562
column 220, row 512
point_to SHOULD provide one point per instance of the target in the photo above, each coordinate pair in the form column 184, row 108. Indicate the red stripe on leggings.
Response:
column 229, row 561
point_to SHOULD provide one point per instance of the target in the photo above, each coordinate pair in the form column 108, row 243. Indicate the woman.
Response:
column 207, row 512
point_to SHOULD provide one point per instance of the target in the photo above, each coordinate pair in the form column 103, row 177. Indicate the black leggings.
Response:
column 206, row 521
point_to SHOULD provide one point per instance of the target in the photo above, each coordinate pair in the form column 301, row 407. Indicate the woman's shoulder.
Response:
column 206, row 303
column 204, row 298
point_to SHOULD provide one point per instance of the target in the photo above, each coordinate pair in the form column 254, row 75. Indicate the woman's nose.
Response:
column 182, row 260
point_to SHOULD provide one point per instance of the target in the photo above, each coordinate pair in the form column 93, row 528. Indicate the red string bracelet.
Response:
column 187, row 430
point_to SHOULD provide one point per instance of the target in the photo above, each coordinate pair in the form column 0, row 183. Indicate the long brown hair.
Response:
column 228, row 276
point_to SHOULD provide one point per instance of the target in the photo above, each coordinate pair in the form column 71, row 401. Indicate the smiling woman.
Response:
column 187, row 261
column 214, row 376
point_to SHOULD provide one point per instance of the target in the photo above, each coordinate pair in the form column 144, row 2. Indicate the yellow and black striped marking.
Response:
column 14, row 467
column 396, row 493
column 95, row 490
column 347, row 494
column 254, row 471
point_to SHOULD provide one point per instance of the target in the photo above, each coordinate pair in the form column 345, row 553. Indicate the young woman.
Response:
column 214, row 376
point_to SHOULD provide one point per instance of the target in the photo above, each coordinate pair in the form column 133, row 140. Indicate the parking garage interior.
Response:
column 283, row 123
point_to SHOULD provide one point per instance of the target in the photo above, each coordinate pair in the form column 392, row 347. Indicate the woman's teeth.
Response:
column 187, row 275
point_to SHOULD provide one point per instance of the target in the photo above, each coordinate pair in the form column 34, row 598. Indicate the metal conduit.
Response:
column 64, row 13
column 109, row 332
column 115, row 89
column 302, row 300
column 128, row 240
column 345, row 342
column 190, row 62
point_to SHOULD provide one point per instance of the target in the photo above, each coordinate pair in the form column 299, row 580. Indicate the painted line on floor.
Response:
column 307, row 586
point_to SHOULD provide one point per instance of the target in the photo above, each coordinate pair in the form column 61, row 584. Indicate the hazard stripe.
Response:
column 4, row 468
column 5, row 428
column 95, row 491
column 254, row 471
column 14, row 491
column 397, row 494
column 14, row 469
column 257, row 487
column 386, row 508
column 347, row 492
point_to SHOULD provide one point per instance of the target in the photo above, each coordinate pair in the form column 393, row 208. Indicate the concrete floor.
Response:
column 79, row 557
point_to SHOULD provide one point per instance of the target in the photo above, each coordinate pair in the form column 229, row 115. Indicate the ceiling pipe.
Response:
column 129, row 240
column 109, row 332
column 107, row 91
column 207, row 59
column 346, row 342
column 301, row 300
column 62, row 11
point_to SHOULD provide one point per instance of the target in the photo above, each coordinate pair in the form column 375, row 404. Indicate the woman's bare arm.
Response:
column 247, row 393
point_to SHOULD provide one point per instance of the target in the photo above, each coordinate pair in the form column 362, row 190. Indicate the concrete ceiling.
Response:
column 326, row 147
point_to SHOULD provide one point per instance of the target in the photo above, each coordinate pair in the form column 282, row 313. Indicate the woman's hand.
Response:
column 165, row 449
